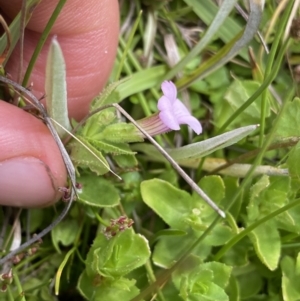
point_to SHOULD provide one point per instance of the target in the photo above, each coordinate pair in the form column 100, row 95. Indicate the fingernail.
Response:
column 26, row 182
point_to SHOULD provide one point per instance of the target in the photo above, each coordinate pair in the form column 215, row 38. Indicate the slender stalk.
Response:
column 21, row 40
column 61, row 267
column 251, row 154
column 100, row 219
column 42, row 41
column 131, row 58
column 127, row 47
column 10, row 294
column 152, row 278
column 17, row 281
column 270, row 62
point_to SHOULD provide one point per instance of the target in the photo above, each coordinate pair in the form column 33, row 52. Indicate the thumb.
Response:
column 31, row 166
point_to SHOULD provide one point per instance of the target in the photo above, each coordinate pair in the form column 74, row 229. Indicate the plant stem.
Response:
column 264, row 100
column 42, row 40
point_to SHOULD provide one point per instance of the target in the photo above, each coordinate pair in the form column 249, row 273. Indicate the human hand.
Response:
column 31, row 166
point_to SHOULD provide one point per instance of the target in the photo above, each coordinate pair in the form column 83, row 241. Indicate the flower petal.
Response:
column 193, row 122
column 169, row 90
column 169, row 120
column 183, row 116
column 164, row 104
column 173, row 112
column 179, row 109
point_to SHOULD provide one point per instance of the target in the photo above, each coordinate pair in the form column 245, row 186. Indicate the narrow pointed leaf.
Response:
column 141, row 81
column 220, row 17
column 203, row 148
column 56, row 88
column 248, row 34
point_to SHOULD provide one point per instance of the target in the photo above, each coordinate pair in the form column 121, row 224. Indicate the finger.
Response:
column 31, row 167
column 88, row 35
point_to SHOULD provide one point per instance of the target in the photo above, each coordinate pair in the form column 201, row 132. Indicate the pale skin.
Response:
column 31, row 167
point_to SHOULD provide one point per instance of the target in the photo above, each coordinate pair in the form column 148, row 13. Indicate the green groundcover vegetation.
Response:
column 179, row 216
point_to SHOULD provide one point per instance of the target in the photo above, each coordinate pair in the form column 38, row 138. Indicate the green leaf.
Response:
column 117, row 256
column 169, row 248
column 97, row 192
column 167, row 232
column 221, row 272
column 292, row 220
column 289, row 123
column 250, row 284
column 214, row 187
column 111, row 147
column 141, row 81
column 206, row 291
column 95, row 289
column 122, row 289
column 202, row 281
column 233, row 289
column 85, row 286
column 170, row 292
column 236, row 95
column 238, row 254
column 267, row 244
column 186, row 155
column 219, row 235
column 56, row 88
column 88, row 156
column 290, row 278
column 65, row 233
column 179, row 209
column 125, row 161
column 149, row 36
column 119, row 133
column 232, row 184
column 169, row 202
column 255, row 198
column 108, row 96
column 37, row 217
column 267, row 195
column 98, row 122
column 203, row 148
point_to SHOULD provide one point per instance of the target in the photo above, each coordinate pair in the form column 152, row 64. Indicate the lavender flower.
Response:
column 173, row 112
